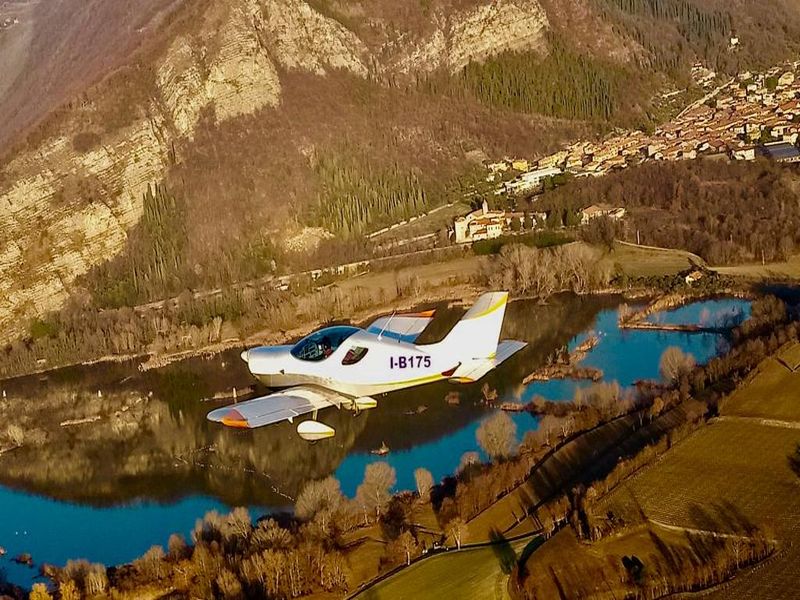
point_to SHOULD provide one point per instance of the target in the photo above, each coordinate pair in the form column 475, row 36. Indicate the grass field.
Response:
column 791, row 356
column 476, row 573
column 780, row 270
column 502, row 516
column 645, row 261
column 430, row 223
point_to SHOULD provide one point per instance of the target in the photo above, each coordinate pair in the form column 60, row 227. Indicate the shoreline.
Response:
column 458, row 296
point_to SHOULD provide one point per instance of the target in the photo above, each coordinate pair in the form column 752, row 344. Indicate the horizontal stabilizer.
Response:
column 402, row 327
column 277, row 407
column 472, row 370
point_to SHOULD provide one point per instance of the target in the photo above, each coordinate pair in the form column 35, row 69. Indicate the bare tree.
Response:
column 603, row 396
column 39, row 592
column 96, row 580
column 408, row 544
column 319, row 500
column 675, row 363
column 497, row 436
column 67, row 590
column 150, row 564
column 229, row 585
column 176, row 546
column 374, row 493
column 455, row 530
column 656, row 408
column 424, row 481
column 549, row 425
column 238, row 523
column 467, row 460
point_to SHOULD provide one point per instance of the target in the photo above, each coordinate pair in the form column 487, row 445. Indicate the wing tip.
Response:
column 230, row 417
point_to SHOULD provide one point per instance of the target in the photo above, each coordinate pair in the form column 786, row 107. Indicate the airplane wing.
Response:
column 473, row 370
column 274, row 408
column 402, row 327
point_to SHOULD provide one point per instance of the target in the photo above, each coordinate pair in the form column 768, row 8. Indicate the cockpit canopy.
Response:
column 321, row 344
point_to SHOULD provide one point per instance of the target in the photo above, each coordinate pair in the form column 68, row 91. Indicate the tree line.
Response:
column 726, row 212
column 539, row 272
column 153, row 263
column 356, row 196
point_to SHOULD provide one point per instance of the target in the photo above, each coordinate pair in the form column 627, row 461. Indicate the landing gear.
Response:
column 313, row 431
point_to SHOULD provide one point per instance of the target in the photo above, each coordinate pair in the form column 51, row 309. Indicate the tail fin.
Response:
column 477, row 334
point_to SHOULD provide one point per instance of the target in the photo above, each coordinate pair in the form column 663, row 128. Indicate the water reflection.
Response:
column 154, row 463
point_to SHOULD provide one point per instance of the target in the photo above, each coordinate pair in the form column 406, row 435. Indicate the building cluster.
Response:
column 752, row 114
column 481, row 224
column 485, row 224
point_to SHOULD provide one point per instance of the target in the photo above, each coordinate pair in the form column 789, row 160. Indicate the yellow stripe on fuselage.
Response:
column 417, row 381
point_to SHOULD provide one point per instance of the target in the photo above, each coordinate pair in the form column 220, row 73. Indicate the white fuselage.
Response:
column 364, row 364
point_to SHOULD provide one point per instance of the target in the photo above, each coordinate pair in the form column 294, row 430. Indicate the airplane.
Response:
column 346, row 366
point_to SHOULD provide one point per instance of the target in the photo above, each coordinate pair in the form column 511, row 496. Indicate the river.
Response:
column 150, row 464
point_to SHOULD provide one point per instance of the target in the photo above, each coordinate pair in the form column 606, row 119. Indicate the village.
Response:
column 749, row 116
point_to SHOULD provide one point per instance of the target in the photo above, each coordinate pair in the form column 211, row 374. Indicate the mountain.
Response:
column 258, row 118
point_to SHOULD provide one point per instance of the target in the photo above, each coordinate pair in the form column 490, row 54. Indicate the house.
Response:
column 531, row 180
column 744, row 153
column 601, row 210
column 553, row 160
column 519, row 164
column 786, row 79
column 694, row 276
column 482, row 224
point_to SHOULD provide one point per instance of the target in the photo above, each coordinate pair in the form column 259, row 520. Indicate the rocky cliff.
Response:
column 68, row 200
column 472, row 34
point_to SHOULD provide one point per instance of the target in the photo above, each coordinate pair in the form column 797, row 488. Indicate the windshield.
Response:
column 321, row 344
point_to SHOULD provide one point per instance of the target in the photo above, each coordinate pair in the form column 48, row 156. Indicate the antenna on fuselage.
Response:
column 380, row 335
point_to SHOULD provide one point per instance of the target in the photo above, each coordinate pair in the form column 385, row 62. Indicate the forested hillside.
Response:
column 564, row 84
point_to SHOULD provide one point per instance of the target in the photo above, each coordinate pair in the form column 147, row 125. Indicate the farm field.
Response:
column 774, row 393
column 646, row 261
column 734, row 473
column 728, row 475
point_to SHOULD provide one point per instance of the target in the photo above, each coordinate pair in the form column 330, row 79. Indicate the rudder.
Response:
column 477, row 334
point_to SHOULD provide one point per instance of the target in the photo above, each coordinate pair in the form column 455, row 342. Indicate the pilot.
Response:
column 325, row 343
